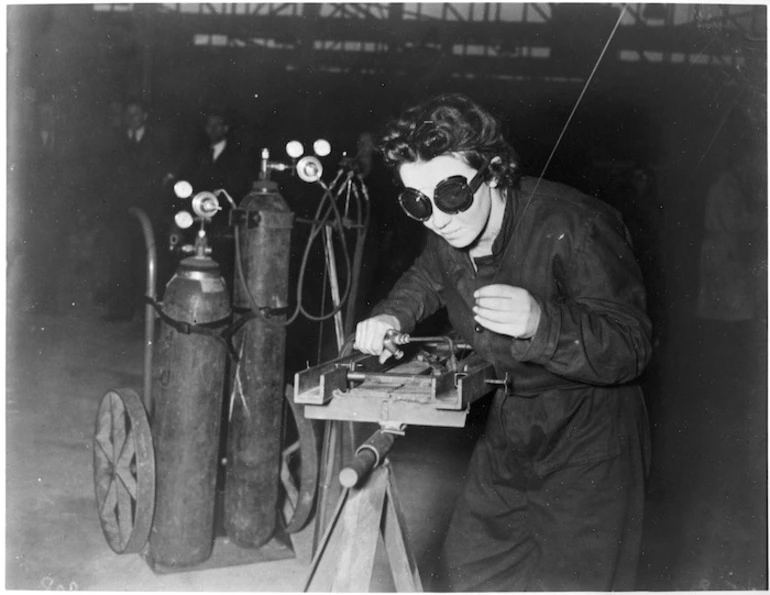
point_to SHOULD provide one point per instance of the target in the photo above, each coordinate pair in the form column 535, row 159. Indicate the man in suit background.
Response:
column 135, row 178
column 219, row 163
column 141, row 161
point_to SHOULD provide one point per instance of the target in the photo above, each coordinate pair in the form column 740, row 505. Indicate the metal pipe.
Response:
column 149, row 311
column 368, row 456
column 331, row 264
column 329, row 453
column 358, row 256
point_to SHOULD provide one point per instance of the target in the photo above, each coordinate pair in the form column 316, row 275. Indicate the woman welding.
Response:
column 541, row 280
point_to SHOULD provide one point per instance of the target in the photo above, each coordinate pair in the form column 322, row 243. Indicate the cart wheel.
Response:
column 299, row 469
column 124, row 470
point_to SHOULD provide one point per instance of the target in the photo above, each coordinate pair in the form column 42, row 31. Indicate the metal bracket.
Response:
column 399, row 429
column 244, row 216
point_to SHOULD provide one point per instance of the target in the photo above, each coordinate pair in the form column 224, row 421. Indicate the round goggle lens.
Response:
column 415, row 204
column 453, row 195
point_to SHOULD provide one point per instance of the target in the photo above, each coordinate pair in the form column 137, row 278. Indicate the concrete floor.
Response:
column 706, row 518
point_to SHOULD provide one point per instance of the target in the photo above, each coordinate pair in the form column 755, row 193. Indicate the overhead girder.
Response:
column 297, row 37
column 410, row 31
column 505, row 37
column 642, row 14
column 424, row 61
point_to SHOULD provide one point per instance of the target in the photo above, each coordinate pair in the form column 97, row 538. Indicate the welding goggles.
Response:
column 452, row 195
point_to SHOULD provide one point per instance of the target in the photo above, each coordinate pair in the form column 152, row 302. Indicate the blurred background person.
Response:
column 218, row 163
column 730, row 272
column 135, row 168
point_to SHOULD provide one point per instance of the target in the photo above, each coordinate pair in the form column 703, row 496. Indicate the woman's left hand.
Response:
column 507, row 310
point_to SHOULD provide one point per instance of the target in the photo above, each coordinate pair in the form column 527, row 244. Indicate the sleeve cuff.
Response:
column 541, row 347
column 405, row 321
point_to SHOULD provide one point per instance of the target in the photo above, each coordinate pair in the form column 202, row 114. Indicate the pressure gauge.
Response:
column 183, row 189
column 183, row 219
column 294, row 149
column 321, row 147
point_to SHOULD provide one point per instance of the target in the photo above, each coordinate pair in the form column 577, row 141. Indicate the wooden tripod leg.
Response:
column 361, row 531
column 403, row 565
column 338, row 447
column 345, row 559
column 323, row 565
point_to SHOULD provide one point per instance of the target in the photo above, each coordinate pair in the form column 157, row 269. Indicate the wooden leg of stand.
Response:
column 345, row 559
column 338, row 449
column 402, row 561
column 323, row 566
column 360, row 534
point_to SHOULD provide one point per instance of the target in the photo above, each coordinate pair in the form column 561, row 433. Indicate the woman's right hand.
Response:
column 370, row 335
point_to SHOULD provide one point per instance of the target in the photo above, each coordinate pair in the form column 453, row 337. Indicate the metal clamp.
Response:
column 250, row 218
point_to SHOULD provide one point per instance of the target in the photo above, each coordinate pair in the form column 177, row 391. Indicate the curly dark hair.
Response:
column 450, row 123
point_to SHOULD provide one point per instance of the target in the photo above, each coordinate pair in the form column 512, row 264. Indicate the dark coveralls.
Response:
column 554, row 492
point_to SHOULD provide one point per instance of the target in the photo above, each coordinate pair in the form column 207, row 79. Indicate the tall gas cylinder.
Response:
column 188, row 387
column 257, row 384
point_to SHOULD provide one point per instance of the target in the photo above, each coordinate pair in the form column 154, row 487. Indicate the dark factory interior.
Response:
column 646, row 107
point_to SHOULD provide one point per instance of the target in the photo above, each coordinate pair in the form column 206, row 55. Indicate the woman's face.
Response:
column 459, row 230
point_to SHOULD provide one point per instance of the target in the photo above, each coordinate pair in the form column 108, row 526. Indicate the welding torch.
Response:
column 394, row 339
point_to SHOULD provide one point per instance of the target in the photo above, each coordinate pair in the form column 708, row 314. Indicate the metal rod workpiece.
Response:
column 370, row 454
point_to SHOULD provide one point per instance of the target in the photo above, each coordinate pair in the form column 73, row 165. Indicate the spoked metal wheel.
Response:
column 299, row 467
column 124, row 470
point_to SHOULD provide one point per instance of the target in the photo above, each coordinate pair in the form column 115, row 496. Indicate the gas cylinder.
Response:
column 257, row 384
column 188, row 387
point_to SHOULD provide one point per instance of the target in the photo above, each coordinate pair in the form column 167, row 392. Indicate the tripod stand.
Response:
column 365, row 517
